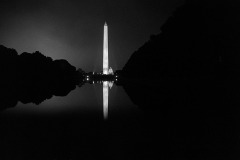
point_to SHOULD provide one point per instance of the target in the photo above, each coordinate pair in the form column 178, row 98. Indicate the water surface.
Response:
column 173, row 121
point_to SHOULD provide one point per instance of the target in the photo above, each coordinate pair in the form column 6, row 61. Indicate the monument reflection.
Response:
column 105, row 100
column 106, row 86
column 107, row 82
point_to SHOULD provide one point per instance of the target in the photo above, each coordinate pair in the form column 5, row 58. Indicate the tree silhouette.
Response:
column 33, row 78
column 201, row 38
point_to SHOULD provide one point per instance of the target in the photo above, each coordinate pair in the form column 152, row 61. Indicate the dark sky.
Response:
column 73, row 29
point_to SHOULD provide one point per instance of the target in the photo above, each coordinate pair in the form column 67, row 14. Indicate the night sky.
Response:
column 73, row 30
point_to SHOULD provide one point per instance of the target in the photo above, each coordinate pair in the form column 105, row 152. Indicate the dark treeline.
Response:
column 187, row 80
column 201, row 38
column 198, row 44
column 33, row 77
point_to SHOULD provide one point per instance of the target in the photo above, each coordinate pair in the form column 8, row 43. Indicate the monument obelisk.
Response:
column 105, row 50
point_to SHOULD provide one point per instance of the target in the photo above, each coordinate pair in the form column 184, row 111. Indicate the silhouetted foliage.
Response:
column 200, row 38
column 194, row 104
column 33, row 77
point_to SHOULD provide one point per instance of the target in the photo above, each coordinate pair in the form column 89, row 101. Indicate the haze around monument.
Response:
column 72, row 30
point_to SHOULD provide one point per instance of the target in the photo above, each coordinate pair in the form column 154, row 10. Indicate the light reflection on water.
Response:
column 105, row 99
column 94, row 100
column 128, row 130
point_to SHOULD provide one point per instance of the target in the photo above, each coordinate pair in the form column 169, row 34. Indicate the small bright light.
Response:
column 87, row 79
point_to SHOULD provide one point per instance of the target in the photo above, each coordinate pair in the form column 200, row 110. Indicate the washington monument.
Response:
column 105, row 50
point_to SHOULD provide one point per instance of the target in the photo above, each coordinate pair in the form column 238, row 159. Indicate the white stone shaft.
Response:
column 105, row 49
